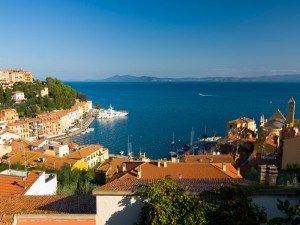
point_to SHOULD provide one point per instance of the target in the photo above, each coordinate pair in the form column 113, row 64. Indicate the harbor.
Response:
column 81, row 127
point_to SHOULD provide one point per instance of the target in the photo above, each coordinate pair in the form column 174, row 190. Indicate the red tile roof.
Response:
column 196, row 176
column 208, row 159
column 241, row 120
column 151, row 170
column 48, row 204
column 193, row 185
column 84, row 152
column 14, row 185
column 110, row 167
column 11, row 205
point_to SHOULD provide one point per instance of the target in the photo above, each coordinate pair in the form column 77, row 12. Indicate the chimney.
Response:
column 117, row 169
column 158, row 163
column 139, row 175
column 24, row 180
column 124, row 167
column 224, row 166
column 239, row 172
column 165, row 164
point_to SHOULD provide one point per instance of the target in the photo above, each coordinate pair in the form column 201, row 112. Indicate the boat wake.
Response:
column 203, row 95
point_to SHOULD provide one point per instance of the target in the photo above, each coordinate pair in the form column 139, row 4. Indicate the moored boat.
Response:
column 111, row 113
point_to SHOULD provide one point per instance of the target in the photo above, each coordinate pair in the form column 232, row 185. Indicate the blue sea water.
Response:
column 156, row 110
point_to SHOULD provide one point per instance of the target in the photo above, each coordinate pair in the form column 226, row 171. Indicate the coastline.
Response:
column 86, row 123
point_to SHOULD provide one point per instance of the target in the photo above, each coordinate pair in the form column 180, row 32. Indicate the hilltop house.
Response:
column 18, row 96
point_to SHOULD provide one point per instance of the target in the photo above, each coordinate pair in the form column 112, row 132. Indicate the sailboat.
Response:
column 173, row 141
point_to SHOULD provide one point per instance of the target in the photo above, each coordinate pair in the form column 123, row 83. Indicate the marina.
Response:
column 176, row 107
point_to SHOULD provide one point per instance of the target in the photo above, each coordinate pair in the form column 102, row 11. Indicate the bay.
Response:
column 156, row 110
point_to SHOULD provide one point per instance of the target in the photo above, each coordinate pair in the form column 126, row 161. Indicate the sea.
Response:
column 159, row 110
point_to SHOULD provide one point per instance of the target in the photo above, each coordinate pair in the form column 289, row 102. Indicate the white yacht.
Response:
column 110, row 113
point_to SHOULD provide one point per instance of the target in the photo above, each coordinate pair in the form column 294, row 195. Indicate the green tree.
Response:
column 7, row 98
column 169, row 203
column 1, row 95
column 291, row 214
column 233, row 205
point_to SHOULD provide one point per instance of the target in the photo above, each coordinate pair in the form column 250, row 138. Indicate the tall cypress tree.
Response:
column 8, row 99
column 1, row 95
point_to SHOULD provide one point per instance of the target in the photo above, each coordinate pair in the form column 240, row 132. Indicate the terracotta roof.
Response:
column 151, row 170
column 271, row 139
column 13, row 185
column 8, row 110
column 32, row 119
column 17, row 146
column 58, row 162
column 208, row 159
column 54, row 204
column 48, row 204
column 241, row 120
column 37, row 143
column 55, row 220
column 193, row 185
column 84, row 152
column 17, row 123
column 72, row 145
column 110, row 167
column 52, row 162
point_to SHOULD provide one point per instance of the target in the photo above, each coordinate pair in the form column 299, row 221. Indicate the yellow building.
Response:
column 35, row 127
column 9, row 115
column 291, row 151
column 20, row 127
column 4, row 76
column 12, row 76
column 63, row 120
column 51, row 123
column 92, row 155
column 237, row 125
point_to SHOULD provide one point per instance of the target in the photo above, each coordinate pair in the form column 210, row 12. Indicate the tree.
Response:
column 291, row 214
column 8, row 99
column 233, row 205
column 1, row 95
column 169, row 203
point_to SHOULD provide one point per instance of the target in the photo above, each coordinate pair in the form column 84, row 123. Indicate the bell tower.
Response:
column 291, row 112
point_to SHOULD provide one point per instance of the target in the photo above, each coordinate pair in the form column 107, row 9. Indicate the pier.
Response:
column 80, row 127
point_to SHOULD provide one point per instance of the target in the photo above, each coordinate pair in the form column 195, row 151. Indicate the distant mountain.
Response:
column 270, row 78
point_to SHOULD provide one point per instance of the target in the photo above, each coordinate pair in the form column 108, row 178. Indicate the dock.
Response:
column 86, row 122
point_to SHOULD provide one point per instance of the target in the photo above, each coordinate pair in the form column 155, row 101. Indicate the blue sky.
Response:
column 79, row 40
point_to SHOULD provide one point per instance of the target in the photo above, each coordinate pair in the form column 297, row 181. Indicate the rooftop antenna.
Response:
column 9, row 171
column 129, row 148
column 25, row 163
column 192, row 136
column 24, row 179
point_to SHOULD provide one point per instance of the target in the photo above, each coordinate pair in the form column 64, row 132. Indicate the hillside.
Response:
column 270, row 78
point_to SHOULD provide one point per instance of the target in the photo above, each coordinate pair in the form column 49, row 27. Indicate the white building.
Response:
column 45, row 92
column 6, row 135
column 35, row 182
column 18, row 96
column 240, row 123
column 57, row 149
